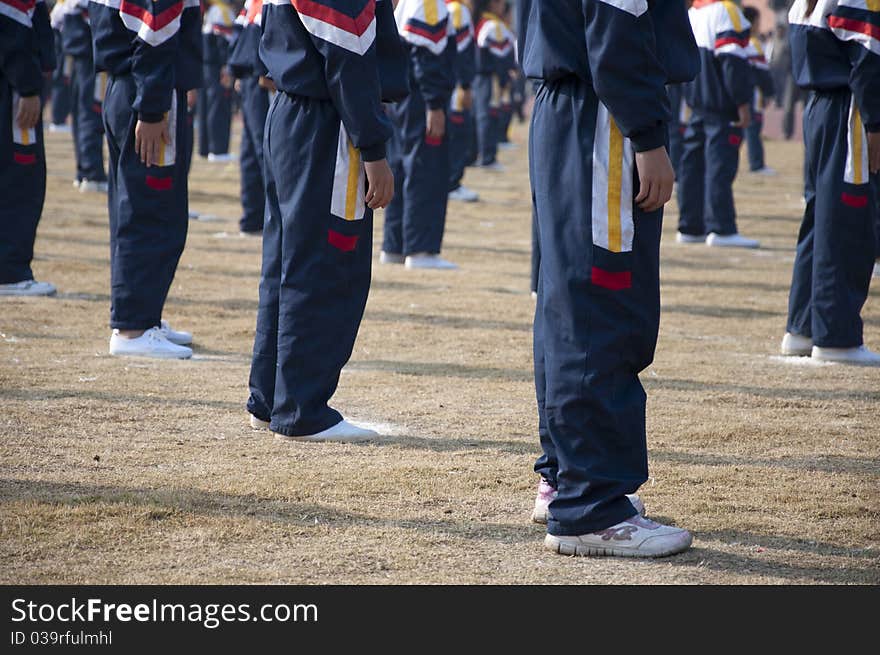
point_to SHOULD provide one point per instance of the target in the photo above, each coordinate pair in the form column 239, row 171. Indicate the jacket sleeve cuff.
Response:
column 149, row 117
column 373, row 153
column 872, row 127
column 436, row 103
column 649, row 138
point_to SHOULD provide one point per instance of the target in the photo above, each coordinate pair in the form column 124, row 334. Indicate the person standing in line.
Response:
column 88, row 94
column 23, row 48
column 460, row 114
column 419, row 148
column 600, row 176
column 677, row 126
column 763, row 90
column 836, row 55
column 246, row 67
column 215, row 98
column 494, row 47
column 61, row 78
column 720, row 100
column 151, row 51
column 325, row 174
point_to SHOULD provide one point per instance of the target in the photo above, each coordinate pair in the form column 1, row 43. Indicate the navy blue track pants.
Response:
column 22, row 189
column 836, row 244
column 148, row 210
column 708, row 165
column 598, row 308
column 88, row 126
column 317, row 243
column 254, row 107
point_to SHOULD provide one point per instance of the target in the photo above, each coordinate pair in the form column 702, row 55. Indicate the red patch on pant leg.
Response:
column 458, row 119
column 734, row 139
column 96, row 107
column 614, row 280
column 24, row 159
column 433, row 140
column 850, row 200
column 159, row 183
column 341, row 241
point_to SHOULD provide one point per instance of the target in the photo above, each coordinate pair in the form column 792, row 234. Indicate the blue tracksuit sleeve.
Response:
column 859, row 27
column 626, row 70
column 424, row 24
column 465, row 46
column 732, row 32
column 18, row 50
column 344, row 33
column 156, row 26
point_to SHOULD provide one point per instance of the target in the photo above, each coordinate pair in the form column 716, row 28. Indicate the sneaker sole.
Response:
column 312, row 439
column 553, row 544
column 151, row 356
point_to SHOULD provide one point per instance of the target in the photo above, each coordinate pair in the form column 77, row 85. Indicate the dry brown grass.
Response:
column 127, row 471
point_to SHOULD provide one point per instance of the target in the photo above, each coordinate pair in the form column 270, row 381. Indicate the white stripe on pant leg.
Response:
column 856, row 171
column 169, row 151
column 349, row 186
column 21, row 137
column 612, row 226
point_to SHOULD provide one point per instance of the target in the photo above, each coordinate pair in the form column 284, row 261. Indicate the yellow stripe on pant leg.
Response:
column 615, row 178
column 856, row 131
column 354, row 169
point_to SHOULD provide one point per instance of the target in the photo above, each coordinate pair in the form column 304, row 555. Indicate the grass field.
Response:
column 133, row 471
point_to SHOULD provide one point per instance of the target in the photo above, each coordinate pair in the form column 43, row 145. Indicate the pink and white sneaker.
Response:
column 635, row 537
column 546, row 494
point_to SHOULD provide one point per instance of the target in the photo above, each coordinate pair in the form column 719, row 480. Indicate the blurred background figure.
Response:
column 763, row 80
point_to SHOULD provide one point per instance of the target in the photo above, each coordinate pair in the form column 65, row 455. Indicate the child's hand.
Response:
column 874, row 152
column 655, row 179
column 745, row 116
column 148, row 140
column 380, row 184
column 436, row 124
column 28, row 112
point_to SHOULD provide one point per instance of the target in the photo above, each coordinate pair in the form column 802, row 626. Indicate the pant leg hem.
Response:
column 586, row 527
column 294, row 431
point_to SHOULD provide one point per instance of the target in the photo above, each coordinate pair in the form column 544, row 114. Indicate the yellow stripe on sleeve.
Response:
column 431, row 12
column 734, row 13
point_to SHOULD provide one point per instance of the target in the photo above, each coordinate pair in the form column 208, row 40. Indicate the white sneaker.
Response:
column 221, row 158
column 508, row 145
column 463, row 194
column 92, row 186
column 861, row 356
column 681, row 237
column 427, row 260
column 76, row 183
column 175, row 336
column 258, row 424
column 342, row 432
column 391, row 258
column 767, row 171
column 151, row 343
column 251, row 234
column 28, row 288
column 877, row 269
column 59, row 128
column 795, row 345
column 730, row 241
column 193, row 215
column 546, row 494
column 635, row 537
column 494, row 166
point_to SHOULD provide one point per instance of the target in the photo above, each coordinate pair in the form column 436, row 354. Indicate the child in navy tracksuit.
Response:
column 836, row 55
column 763, row 91
column 720, row 100
column 419, row 148
column 460, row 128
column 151, row 51
column 494, row 48
column 61, row 78
column 325, row 173
column 88, row 94
column 245, row 65
column 215, row 98
column 600, row 176
column 24, row 47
